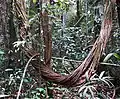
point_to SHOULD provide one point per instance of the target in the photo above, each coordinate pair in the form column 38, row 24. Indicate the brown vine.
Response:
column 89, row 65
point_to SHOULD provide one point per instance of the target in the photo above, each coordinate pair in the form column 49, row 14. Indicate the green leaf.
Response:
column 34, row 1
column 1, row 96
column 92, row 92
column 87, row 77
column 33, row 92
column 101, row 74
column 8, row 69
column 26, row 80
column 117, row 56
column 51, row 88
column 37, row 94
column 81, row 89
column 1, row 52
column 85, row 91
column 108, row 57
column 41, row 90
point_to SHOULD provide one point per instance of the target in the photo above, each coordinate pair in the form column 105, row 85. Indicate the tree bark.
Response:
column 89, row 65
column 3, row 25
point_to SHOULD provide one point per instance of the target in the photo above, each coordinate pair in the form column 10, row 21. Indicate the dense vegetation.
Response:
column 60, row 34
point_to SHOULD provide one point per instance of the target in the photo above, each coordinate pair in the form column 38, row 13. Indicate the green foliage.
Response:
column 34, row 1
column 2, row 58
column 1, row 52
column 95, row 87
column 36, row 93
column 71, row 38
column 110, row 55
column 117, row 56
column 13, row 80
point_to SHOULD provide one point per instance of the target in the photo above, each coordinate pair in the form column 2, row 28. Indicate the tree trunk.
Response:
column 3, row 24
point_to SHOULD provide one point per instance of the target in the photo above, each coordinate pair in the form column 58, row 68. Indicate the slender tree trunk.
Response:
column 4, row 36
column 78, row 9
column 3, row 24
column 12, row 31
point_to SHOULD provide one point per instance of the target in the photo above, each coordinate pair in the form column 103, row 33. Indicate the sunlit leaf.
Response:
column 8, row 69
column 19, row 43
column 87, row 77
column 117, row 56
column 2, row 96
column 109, row 82
column 85, row 91
column 93, row 76
column 41, row 90
column 34, row 91
column 34, row 1
column 1, row 52
column 108, row 57
column 51, row 88
column 101, row 74
column 26, row 80
column 92, row 93
column 81, row 89
column 105, row 82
